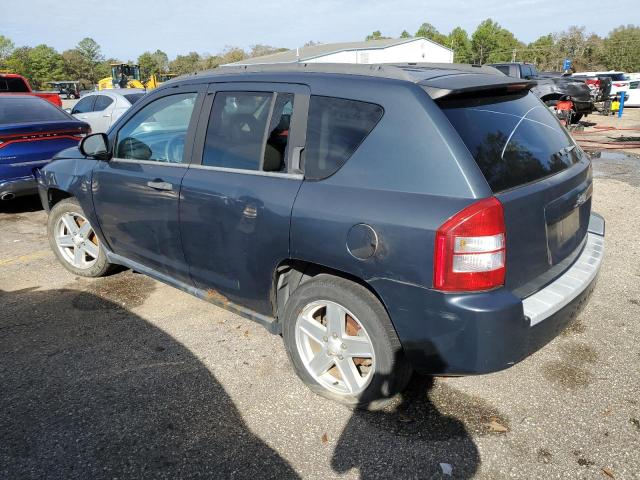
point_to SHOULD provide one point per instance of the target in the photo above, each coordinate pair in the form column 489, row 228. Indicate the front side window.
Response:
column 85, row 105
column 236, row 130
column 157, row 132
column 335, row 129
column 102, row 102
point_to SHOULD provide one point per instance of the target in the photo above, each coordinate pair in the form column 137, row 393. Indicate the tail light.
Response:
column 470, row 249
column 593, row 82
column 619, row 85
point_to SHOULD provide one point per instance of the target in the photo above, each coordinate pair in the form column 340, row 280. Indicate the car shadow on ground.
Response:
column 21, row 205
column 91, row 390
column 413, row 438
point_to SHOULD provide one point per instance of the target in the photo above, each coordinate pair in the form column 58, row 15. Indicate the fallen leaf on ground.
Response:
column 246, row 333
column 495, row 426
column 325, row 438
column 608, row 473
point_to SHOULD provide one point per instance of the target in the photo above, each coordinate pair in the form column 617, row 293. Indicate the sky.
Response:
column 125, row 29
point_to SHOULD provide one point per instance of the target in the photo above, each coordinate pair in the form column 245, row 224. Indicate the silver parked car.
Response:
column 101, row 109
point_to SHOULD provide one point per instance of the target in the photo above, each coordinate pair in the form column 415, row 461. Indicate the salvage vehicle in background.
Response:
column 69, row 88
column 14, row 83
column 619, row 80
column 383, row 219
column 101, row 109
column 32, row 131
column 551, row 88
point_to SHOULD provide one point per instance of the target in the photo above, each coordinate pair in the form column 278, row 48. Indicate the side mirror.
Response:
column 95, row 146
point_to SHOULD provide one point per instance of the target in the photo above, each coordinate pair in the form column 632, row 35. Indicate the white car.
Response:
column 619, row 80
column 634, row 94
column 101, row 109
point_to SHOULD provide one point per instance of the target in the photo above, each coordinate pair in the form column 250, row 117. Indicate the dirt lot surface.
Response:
column 124, row 377
column 611, row 132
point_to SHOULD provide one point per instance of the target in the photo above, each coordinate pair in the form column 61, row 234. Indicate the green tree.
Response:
column 492, row 43
column 262, row 50
column 92, row 57
column 377, row 35
column 19, row 62
column 542, row 52
column 459, row 42
column 622, row 49
column 405, row 34
column 45, row 64
column 186, row 63
column 152, row 63
column 6, row 48
column 427, row 30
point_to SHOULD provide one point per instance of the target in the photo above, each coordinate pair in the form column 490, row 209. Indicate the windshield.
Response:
column 514, row 138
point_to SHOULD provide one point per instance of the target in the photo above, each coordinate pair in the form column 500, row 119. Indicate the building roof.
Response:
column 304, row 54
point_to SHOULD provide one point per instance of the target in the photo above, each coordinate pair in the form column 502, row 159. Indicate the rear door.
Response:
column 540, row 176
column 136, row 193
column 100, row 115
column 237, row 195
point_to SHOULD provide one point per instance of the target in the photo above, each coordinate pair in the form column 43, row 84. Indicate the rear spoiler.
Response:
column 468, row 84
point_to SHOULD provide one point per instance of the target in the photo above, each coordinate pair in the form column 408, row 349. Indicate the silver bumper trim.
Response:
column 567, row 287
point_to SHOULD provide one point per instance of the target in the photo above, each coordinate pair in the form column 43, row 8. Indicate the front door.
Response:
column 136, row 193
column 238, row 193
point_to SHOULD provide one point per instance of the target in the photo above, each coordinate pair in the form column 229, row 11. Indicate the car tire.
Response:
column 75, row 244
column 375, row 380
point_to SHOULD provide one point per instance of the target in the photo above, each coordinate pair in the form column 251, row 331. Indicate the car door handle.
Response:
column 160, row 185
column 107, row 115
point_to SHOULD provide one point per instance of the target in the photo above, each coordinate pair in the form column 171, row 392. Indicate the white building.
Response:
column 401, row 50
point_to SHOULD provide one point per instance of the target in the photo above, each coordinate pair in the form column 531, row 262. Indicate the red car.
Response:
column 14, row 83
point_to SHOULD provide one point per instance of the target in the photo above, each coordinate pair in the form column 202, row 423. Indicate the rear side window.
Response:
column 84, row 105
column 27, row 110
column 236, row 130
column 335, row 129
column 102, row 102
column 514, row 138
column 503, row 68
column 133, row 97
column 12, row 84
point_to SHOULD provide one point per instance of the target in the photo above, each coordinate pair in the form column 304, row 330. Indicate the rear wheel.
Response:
column 74, row 241
column 342, row 344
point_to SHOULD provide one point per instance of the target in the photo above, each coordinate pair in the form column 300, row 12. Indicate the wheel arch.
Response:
column 291, row 273
column 56, row 195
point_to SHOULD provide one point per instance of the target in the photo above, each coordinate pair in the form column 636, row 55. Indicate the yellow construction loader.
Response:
column 123, row 75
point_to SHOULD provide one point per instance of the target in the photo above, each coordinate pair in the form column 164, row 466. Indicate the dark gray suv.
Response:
column 383, row 219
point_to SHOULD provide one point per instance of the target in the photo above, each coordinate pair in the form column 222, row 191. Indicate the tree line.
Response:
column 492, row 43
column 489, row 43
column 87, row 64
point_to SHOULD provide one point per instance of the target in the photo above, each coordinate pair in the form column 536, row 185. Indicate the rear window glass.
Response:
column 616, row 77
column 133, row 97
column 335, row 129
column 27, row 110
column 514, row 138
column 12, row 84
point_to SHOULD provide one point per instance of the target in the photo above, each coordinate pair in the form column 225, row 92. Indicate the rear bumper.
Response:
column 18, row 187
column 466, row 334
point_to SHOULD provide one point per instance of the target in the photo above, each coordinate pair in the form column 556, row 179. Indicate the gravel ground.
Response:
column 124, row 377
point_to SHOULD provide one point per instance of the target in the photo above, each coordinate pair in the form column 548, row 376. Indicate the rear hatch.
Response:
column 540, row 176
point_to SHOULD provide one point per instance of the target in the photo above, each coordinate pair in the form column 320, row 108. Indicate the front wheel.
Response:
column 74, row 241
column 342, row 344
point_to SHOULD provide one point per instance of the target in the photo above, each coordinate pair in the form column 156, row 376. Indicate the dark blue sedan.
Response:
column 32, row 131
